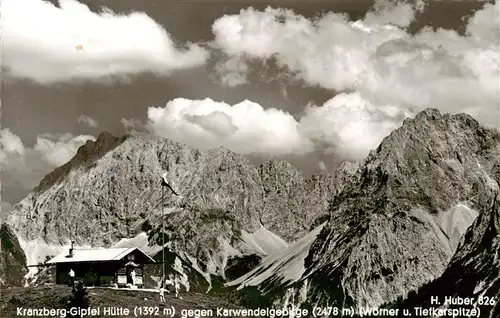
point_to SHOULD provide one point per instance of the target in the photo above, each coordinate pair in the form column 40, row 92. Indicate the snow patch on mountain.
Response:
column 456, row 221
column 450, row 225
column 218, row 261
column 263, row 242
column 287, row 266
column 139, row 241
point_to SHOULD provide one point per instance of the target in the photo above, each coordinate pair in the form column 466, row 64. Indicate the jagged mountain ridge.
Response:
column 111, row 190
column 85, row 158
column 395, row 224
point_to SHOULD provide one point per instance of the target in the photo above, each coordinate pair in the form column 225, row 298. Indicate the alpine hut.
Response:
column 102, row 267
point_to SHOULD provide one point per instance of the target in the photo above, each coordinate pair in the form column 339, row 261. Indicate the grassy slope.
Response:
column 55, row 297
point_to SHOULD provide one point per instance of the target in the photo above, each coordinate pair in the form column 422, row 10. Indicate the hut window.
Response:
column 131, row 257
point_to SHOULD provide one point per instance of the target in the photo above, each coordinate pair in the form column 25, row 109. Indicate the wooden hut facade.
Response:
column 102, row 267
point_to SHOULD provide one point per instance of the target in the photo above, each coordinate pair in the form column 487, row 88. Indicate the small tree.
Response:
column 79, row 298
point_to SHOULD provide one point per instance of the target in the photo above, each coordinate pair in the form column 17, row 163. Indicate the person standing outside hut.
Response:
column 132, row 274
column 72, row 278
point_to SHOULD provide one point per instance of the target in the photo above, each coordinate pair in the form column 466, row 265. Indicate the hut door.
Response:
column 129, row 274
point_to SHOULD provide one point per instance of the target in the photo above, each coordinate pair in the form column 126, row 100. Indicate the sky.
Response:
column 315, row 82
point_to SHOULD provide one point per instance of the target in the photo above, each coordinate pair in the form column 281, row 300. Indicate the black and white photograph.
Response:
column 239, row 158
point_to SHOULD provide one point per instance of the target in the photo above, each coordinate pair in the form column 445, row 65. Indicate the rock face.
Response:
column 396, row 223
column 111, row 190
column 12, row 258
column 474, row 270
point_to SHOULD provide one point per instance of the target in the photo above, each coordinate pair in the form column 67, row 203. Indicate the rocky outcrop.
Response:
column 12, row 258
column 473, row 272
column 395, row 224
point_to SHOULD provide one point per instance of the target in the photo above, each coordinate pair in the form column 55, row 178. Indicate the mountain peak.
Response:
column 428, row 113
column 433, row 114
column 431, row 131
column 86, row 155
column 105, row 136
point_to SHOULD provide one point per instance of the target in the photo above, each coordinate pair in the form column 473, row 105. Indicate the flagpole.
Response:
column 162, row 235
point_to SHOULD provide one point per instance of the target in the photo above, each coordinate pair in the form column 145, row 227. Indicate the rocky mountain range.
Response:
column 396, row 225
column 365, row 235
column 111, row 191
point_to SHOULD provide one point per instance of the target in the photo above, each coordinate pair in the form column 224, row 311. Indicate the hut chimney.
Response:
column 71, row 249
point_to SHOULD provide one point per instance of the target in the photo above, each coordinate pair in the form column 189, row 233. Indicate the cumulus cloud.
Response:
column 232, row 72
column 133, row 126
column 349, row 125
column 400, row 14
column 10, row 142
column 89, row 121
column 28, row 165
column 346, row 125
column 49, row 44
column 376, row 59
column 245, row 127
column 378, row 72
column 331, row 51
